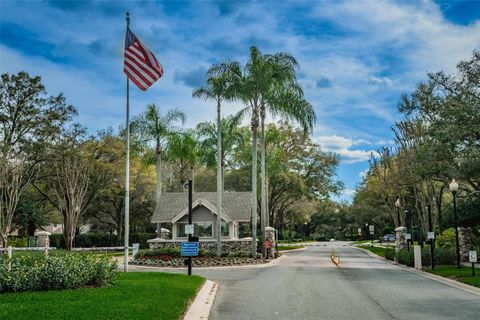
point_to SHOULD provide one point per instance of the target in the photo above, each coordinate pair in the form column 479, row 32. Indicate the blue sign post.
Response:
column 189, row 249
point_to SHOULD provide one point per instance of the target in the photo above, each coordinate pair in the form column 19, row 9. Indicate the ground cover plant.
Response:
column 141, row 295
column 35, row 271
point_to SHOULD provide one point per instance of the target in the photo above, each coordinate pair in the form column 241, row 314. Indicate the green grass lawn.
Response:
column 463, row 275
column 285, row 248
column 136, row 295
column 377, row 250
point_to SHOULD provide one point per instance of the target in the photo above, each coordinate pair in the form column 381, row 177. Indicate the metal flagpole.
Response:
column 127, row 170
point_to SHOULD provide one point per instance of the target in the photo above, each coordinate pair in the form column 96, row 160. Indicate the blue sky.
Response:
column 356, row 57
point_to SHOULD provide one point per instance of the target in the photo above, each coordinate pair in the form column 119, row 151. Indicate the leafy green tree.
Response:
column 31, row 213
column 106, row 209
column 29, row 120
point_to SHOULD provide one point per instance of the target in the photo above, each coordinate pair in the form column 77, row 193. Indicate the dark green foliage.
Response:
column 405, row 257
column 442, row 256
column 100, row 239
column 172, row 252
column 142, row 238
column 390, row 253
column 17, row 242
column 34, row 272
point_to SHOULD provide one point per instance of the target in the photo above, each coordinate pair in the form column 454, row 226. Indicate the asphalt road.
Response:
column 306, row 285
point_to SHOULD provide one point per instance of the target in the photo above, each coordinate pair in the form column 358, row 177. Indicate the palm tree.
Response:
column 269, row 82
column 218, row 89
column 152, row 125
column 230, row 136
column 182, row 151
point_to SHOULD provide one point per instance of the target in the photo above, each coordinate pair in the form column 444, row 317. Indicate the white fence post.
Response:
column 417, row 255
column 136, row 247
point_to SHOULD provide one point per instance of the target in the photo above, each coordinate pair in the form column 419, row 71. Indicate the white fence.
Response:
column 9, row 250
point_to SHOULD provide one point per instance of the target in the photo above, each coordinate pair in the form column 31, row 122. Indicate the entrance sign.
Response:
column 189, row 229
column 189, row 249
column 472, row 256
column 431, row 235
column 408, row 236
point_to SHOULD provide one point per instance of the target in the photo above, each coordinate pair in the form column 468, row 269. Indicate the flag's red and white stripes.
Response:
column 140, row 66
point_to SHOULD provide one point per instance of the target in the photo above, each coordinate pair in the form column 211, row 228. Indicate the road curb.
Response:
column 447, row 281
column 248, row 266
column 202, row 305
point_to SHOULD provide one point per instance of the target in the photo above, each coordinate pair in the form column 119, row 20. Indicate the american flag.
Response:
column 140, row 65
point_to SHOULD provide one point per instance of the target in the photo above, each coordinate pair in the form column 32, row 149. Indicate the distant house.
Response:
column 173, row 210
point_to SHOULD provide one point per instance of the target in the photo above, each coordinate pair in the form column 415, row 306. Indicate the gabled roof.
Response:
column 236, row 206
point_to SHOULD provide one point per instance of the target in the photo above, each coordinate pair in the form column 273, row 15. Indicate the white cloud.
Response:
column 362, row 174
column 343, row 147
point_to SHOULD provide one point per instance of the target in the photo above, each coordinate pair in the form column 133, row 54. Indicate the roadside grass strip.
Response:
column 289, row 247
column 135, row 295
column 464, row 274
column 379, row 251
column 335, row 259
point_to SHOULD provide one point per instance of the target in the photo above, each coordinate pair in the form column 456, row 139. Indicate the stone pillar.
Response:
column 43, row 239
column 164, row 233
column 400, row 241
column 465, row 241
column 270, row 237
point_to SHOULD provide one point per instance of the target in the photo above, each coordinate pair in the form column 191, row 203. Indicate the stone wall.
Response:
column 241, row 246
column 465, row 240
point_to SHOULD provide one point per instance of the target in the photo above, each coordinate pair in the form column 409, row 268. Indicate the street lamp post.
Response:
column 397, row 204
column 453, row 186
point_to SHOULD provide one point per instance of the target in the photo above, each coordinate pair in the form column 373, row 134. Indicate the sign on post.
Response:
column 431, row 235
column 189, row 229
column 189, row 249
column 371, row 228
column 408, row 236
column 359, row 231
column 472, row 256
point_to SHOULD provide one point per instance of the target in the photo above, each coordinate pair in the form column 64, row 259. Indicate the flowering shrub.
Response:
column 168, row 261
column 32, row 272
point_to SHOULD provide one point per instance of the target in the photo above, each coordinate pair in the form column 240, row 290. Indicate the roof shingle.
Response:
column 236, row 205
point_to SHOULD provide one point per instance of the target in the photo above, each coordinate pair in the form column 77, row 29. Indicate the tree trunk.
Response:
column 254, row 183
column 219, row 180
column 263, row 196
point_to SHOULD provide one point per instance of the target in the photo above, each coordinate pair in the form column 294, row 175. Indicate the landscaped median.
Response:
column 171, row 258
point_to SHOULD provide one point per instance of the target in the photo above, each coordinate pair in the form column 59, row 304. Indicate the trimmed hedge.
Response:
column 35, row 272
column 442, row 256
column 100, row 239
